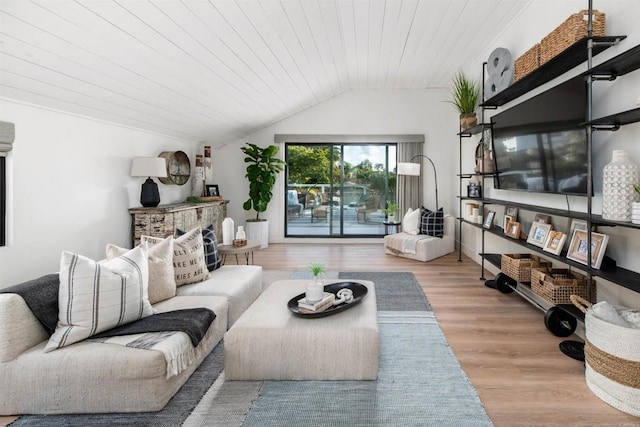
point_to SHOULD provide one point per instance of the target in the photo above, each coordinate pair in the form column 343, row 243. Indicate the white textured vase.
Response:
column 635, row 212
column 228, row 227
column 618, row 194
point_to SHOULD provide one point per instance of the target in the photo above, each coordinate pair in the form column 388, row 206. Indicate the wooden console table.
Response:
column 164, row 220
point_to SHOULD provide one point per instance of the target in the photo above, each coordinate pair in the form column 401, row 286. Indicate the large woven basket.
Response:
column 518, row 266
column 556, row 285
column 527, row 62
column 612, row 357
column 569, row 32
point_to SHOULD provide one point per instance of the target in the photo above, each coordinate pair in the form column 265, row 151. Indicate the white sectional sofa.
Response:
column 426, row 247
column 93, row 377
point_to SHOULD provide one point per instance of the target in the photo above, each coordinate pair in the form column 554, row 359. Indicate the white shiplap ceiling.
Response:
column 215, row 71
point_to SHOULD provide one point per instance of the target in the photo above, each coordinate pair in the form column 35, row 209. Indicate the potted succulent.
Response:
column 315, row 290
column 391, row 210
column 465, row 97
column 262, row 169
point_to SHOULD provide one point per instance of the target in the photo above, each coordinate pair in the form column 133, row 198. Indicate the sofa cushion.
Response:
column 98, row 295
column 432, row 222
column 411, row 221
column 162, row 280
column 211, row 255
column 188, row 256
column 239, row 284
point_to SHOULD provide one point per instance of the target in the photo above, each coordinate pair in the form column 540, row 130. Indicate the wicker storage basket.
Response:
column 518, row 266
column 527, row 62
column 612, row 360
column 569, row 32
column 556, row 285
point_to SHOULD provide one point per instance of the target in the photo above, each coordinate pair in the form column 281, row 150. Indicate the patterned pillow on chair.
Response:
column 432, row 222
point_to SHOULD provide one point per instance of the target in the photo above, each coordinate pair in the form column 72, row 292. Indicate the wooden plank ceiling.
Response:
column 215, row 71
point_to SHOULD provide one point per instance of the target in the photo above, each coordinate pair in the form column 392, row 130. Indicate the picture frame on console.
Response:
column 538, row 234
column 578, row 248
column 213, row 190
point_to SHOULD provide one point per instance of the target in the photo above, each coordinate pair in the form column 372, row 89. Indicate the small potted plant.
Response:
column 391, row 210
column 315, row 290
column 465, row 97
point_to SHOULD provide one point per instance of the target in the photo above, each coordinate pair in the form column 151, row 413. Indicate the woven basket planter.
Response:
column 527, row 62
column 612, row 357
column 569, row 32
column 556, row 285
column 518, row 266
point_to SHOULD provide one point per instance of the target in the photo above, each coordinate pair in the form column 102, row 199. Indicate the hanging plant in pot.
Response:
column 263, row 168
column 465, row 97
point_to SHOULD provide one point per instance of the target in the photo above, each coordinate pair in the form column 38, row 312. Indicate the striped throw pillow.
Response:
column 98, row 295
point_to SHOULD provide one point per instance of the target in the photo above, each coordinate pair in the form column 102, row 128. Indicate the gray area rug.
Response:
column 420, row 381
column 395, row 290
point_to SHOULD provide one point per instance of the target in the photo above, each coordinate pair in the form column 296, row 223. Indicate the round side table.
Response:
column 391, row 227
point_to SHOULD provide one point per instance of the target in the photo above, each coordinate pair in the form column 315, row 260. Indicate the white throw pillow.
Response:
column 411, row 221
column 98, row 295
column 162, row 280
column 189, row 263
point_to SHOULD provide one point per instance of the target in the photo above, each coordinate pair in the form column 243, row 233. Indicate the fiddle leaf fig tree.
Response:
column 262, row 169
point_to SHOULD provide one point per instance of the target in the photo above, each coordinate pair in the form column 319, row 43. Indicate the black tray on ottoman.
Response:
column 359, row 291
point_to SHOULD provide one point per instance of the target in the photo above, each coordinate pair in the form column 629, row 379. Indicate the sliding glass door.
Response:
column 338, row 190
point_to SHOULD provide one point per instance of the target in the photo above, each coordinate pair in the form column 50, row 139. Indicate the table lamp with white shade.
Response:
column 149, row 167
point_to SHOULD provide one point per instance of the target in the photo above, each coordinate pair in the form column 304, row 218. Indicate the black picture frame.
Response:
column 213, row 190
column 474, row 191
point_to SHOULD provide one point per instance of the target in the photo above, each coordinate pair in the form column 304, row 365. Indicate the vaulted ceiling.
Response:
column 215, row 71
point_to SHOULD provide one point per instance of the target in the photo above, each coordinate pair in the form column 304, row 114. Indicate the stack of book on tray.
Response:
column 305, row 306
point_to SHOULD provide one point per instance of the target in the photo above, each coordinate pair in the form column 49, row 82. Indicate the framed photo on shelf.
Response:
column 513, row 230
column 538, row 233
column 213, row 190
column 474, row 191
column 555, row 242
column 488, row 223
column 576, row 224
column 542, row 218
column 505, row 222
column 512, row 211
column 578, row 248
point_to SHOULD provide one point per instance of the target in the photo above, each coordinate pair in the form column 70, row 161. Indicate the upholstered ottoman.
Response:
column 269, row 342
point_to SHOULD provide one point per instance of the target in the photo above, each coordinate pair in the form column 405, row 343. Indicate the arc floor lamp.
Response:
column 413, row 169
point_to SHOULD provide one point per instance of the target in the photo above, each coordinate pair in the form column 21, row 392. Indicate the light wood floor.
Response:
column 500, row 340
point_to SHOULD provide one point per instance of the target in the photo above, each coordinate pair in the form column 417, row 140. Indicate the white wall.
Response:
column 354, row 112
column 541, row 17
column 69, row 187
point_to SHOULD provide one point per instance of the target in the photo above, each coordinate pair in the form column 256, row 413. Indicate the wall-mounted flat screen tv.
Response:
column 538, row 145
